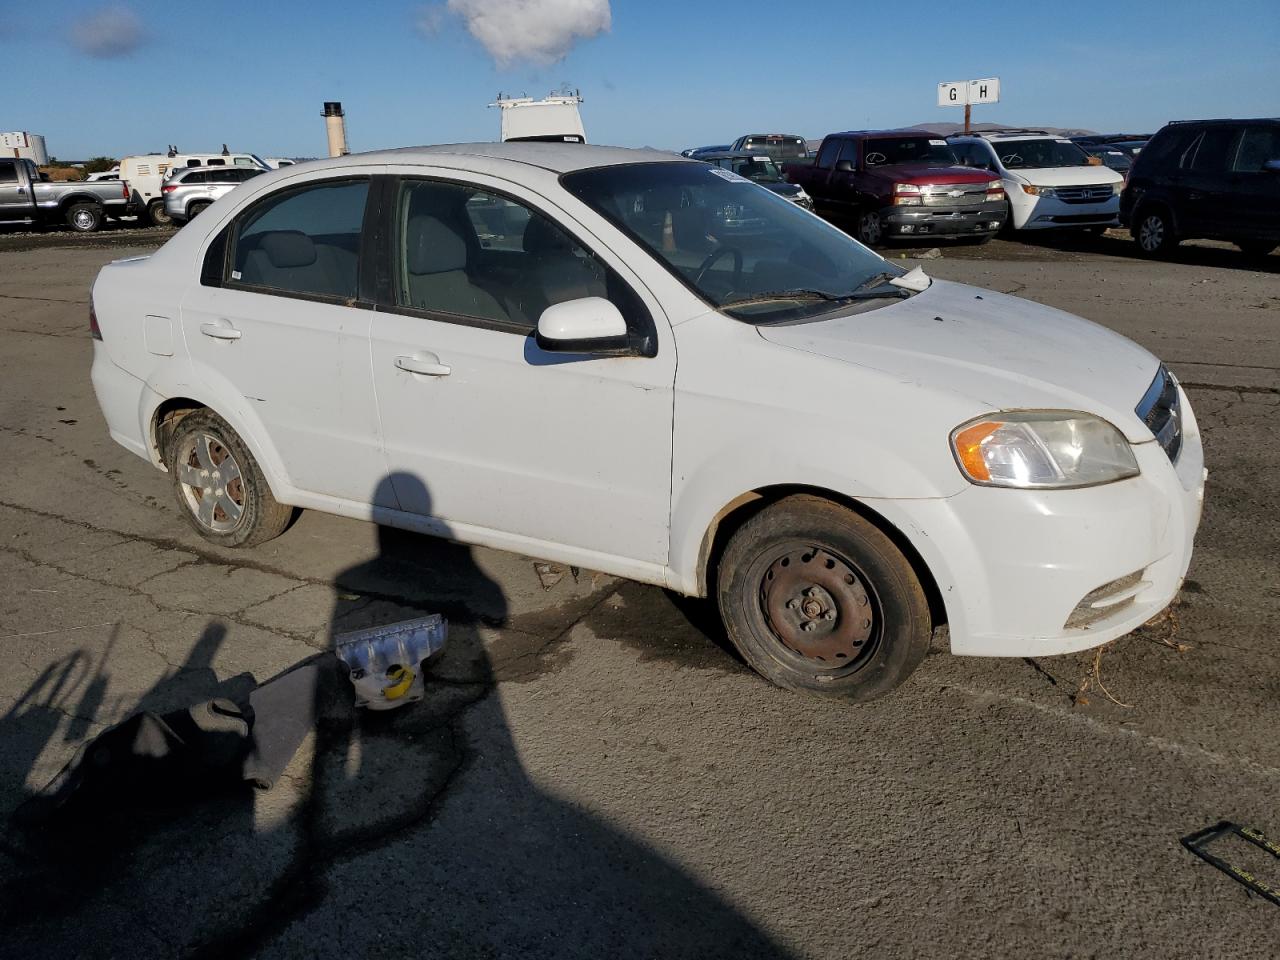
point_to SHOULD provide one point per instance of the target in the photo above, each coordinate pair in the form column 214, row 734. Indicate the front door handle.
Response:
column 425, row 363
column 220, row 331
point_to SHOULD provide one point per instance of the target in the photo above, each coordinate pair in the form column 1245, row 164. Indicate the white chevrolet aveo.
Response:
column 652, row 367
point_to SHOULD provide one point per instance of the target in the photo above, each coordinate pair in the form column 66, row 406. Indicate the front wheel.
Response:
column 219, row 486
column 870, row 229
column 85, row 217
column 1154, row 233
column 818, row 599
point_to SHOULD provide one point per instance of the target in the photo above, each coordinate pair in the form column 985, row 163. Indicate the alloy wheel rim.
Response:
column 1152, row 233
column 83, row 219
column 820, row 607
column 212, row 484
column 871, row 227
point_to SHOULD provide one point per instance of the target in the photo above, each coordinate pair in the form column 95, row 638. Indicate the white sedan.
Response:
column 654, row 368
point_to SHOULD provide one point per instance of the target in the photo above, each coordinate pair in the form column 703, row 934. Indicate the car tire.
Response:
column 158, row 215
column 197, row 207
column 819, row 600
column 1256, row 248
column 85, row 217
column 1153, row 232
column 870, row 229
column 229, row 505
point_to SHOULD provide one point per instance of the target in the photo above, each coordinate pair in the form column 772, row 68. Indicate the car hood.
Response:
column 931, row 173
column 781, row 187
column 1002, row 352
column 1068, row 176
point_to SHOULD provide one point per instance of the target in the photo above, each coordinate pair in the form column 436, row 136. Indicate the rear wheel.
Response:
column 818, row 599
column 158, row 215
column 1154, row 232
column 85, row 217
column 219, row 486
column 197, row 207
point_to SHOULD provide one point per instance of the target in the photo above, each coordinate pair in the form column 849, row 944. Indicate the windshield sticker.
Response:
column 937, row 143
column 761, row 159
column 727, row 175
column 1062, row 140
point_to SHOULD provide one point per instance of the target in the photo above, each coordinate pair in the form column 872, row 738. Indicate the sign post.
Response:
column 955, row 93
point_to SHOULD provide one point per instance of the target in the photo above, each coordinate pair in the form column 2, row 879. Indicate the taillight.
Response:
column 124, row 190
column 95, row 331
column 168, row 188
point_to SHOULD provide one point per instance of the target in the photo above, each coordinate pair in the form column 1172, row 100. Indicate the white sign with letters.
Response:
column 958, row 93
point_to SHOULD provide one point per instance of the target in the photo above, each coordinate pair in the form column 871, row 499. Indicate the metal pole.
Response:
column 967, row 108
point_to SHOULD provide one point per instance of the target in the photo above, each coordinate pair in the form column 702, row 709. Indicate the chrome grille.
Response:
column 1093, row 194
column 1161, row 410
column 953, row 194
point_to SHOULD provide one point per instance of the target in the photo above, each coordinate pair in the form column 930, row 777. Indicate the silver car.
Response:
column 191, row 189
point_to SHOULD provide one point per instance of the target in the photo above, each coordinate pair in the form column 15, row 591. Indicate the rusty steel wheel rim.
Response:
column 212, row 484
column 819, row 606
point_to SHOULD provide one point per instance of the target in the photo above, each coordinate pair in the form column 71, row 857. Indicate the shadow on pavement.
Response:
column 411, row 832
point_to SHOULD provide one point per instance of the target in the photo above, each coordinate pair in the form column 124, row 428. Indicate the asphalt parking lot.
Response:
column 592, row 774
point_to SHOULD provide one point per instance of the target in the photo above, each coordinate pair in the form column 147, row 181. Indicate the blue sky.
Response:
column 130, row 77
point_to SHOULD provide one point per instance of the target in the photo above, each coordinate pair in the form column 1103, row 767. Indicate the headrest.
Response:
column 434, row 247
column 288, row 248
column 541, row 236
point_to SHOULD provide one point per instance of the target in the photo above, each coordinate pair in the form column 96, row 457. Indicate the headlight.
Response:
column 995, row 184
column 1117, row 188
column 1039, row 448
column 906, row 188
column 1035, row 191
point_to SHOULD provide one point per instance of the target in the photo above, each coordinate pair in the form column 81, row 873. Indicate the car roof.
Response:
column 771, row 136
column 554, row 157
column 888, row 134
column 732, row 155
column 1005, row 136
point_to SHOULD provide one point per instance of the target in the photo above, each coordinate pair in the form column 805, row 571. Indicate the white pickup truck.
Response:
column 83, row 206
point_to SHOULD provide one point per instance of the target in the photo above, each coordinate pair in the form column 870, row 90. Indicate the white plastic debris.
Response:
column 385, row 663
column 914, row 280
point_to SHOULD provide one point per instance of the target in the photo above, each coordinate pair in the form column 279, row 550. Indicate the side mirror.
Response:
column 1272, row 166
column 844, row 166
column 586, row 325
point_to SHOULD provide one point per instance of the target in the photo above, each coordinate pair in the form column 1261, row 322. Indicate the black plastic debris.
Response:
column 1199, row 842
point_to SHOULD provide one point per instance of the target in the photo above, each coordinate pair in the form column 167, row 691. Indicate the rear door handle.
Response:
column 220, row 331
column 425, row 363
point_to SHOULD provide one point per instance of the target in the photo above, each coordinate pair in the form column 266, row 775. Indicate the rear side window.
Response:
column 198, row 177
column 244, row 162
column 8, row 172
column 827, row 153
column 304, row 241
column 193, row 162
column 1209, row 151
column 1257, row 146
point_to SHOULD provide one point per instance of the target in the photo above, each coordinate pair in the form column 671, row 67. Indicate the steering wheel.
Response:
column 713, row 258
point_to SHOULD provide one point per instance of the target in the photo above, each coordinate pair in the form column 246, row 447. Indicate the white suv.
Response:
column 480, row 342
column 1051, row 183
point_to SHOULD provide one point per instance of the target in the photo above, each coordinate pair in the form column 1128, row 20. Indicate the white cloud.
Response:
column 108, row 33
column 537, row 31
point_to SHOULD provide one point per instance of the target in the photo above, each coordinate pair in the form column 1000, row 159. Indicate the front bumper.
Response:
column 1020, row 565
column 983, row 219
column 1050, row 213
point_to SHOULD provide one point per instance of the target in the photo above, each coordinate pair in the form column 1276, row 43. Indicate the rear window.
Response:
column 779, row 148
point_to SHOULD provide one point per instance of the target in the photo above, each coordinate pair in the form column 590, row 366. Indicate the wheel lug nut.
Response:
column 829, row 615
column 793, row 604
column 809, row 625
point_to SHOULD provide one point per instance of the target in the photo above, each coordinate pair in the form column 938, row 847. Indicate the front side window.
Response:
column 1257, row 146
column 474, row 254
column 827, row 153
column 303, row 241
column 927, row 150
column 1038, row 154
column 244, row 162
column 740, row 247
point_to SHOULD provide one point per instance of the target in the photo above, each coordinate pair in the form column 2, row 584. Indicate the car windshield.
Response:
column 1034, row 154
column 729, row 240
column 761, row 169
column 927, row 150
column 1112, row 158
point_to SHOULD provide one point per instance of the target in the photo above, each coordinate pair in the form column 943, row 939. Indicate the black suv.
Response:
column 1208, row 180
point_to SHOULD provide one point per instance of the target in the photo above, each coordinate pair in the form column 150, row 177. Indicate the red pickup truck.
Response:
column 900, row 183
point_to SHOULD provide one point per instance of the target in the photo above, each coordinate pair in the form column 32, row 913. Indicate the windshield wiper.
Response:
column 870, row 293
column 875, row 281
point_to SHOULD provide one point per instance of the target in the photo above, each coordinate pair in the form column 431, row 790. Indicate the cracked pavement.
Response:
column 591, row 773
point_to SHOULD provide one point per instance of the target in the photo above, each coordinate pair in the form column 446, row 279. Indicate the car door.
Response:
column 1204, row 184
column 1253, row 200
column 280, row 323
column 15, row 202
column 565, row 455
